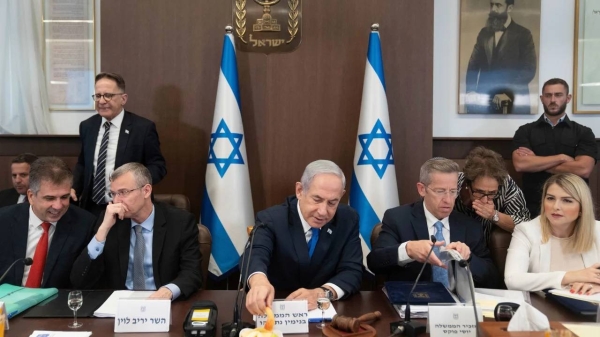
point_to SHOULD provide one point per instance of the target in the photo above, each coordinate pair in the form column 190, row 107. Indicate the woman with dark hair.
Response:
column 561, row 247
column 488, row 193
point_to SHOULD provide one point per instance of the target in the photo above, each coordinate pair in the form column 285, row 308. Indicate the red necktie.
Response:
column 34, row 280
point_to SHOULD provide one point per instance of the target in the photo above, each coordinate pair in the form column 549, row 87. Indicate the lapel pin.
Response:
column 329, row 230
column 126, row 131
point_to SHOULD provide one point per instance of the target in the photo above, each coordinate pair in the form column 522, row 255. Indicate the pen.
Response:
column 318, row 320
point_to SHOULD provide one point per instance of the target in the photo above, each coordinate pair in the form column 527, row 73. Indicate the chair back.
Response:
column 498, row 245
column 205, row 240
column 375, row 234
column 176, row 200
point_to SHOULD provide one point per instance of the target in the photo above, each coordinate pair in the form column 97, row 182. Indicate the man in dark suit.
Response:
column 502, row 64
column 139, row 244
column 110, row 139
column 310, row 243
column 404, row 240
column 28, row 229
column 19, row 169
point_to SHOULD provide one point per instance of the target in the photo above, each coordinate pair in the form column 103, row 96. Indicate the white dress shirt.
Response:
column 111, row 151
column 403, row 257
column 21, row 198
column 34, row 233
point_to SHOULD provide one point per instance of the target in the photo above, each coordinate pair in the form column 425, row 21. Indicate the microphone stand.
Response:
column 26, row 261
column 467, row 266
column 406, row 327
column 233, row 328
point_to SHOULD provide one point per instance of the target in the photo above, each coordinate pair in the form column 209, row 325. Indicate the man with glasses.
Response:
column 488, row 193
column 140, row 244
column 404, row 241
column 110, row 139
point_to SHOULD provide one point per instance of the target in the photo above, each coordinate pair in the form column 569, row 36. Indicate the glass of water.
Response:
column 75, row 300
column 323, row 303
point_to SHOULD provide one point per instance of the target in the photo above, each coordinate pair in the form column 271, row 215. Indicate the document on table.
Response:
column 488, row 299
column 583, row 329
column 39, row 333
column 109, row 307
column 566, row 293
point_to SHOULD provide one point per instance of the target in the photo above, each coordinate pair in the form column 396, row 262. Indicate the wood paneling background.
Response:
column 296, row 107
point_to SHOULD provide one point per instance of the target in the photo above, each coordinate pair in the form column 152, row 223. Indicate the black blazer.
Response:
column 175, row 254
column 73, row 233
column 281, row 252
column 9, row 197
column 408, row 223
column 138, row 142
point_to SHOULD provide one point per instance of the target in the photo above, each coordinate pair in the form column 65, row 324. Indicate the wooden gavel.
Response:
column 352, row 324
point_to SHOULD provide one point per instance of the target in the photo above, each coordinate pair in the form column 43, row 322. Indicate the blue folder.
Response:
column 424, row 293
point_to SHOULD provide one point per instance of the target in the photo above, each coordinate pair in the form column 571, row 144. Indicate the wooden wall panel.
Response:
column 296, row 107
column 457, row 149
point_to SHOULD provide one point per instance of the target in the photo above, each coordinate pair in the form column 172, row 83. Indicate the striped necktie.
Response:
column 100, row 178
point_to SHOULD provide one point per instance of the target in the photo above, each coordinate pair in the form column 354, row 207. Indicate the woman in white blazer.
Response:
column 561, row 247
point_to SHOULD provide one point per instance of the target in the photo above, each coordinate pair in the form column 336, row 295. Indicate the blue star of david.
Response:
column 235, row 157
column 366, row 158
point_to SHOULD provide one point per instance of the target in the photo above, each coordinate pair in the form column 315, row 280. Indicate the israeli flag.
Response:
column 227, row 204
column 373, row 189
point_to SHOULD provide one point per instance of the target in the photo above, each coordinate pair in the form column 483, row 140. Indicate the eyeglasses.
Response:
column 107, row 96
column 441, row 192
column 481, row 194
column 122, row 193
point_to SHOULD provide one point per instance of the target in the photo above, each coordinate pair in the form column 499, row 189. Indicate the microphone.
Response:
column 406, row 327
column 26, row 261
column 465, row 264
column 233, row 328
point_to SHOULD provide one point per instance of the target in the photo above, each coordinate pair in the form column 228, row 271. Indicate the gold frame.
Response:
column 90, row 66
column 579, row 107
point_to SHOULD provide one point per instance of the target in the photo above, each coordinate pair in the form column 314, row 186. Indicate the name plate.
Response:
column 452, row 320
column 290, row 316
column 143, row 315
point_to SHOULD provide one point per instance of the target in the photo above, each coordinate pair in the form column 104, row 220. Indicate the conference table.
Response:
column 356, row 305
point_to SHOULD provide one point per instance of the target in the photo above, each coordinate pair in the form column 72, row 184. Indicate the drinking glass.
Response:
column 505, row 313
column 75, row 301
column 323, row 303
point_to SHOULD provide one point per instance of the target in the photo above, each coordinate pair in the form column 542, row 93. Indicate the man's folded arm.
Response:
column 581, row 166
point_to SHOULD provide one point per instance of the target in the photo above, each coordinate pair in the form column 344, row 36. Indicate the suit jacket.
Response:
column 138, row 142
column 528, row 259
column 9, row 197
column 507, row 67
column 408, row 223
column 281, row 252
column 72, row 234
column 175, row 254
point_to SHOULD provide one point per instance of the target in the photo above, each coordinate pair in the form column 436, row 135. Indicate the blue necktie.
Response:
column 439, row 274
column 312, row 243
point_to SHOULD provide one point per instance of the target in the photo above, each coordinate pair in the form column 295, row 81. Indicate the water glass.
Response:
column 75, row 300
column 323, row 303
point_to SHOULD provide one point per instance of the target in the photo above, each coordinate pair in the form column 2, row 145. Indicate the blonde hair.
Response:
column 583, row 233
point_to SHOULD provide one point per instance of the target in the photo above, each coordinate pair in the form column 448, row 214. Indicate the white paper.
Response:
column 39, row 333
column 566, row 293
column 109, row 307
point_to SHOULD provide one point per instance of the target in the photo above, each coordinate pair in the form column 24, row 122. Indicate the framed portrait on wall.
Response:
column 499, row 56
column 586, row 69
column 69, row 53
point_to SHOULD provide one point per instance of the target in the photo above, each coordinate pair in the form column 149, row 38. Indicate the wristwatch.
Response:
column 496, row 217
